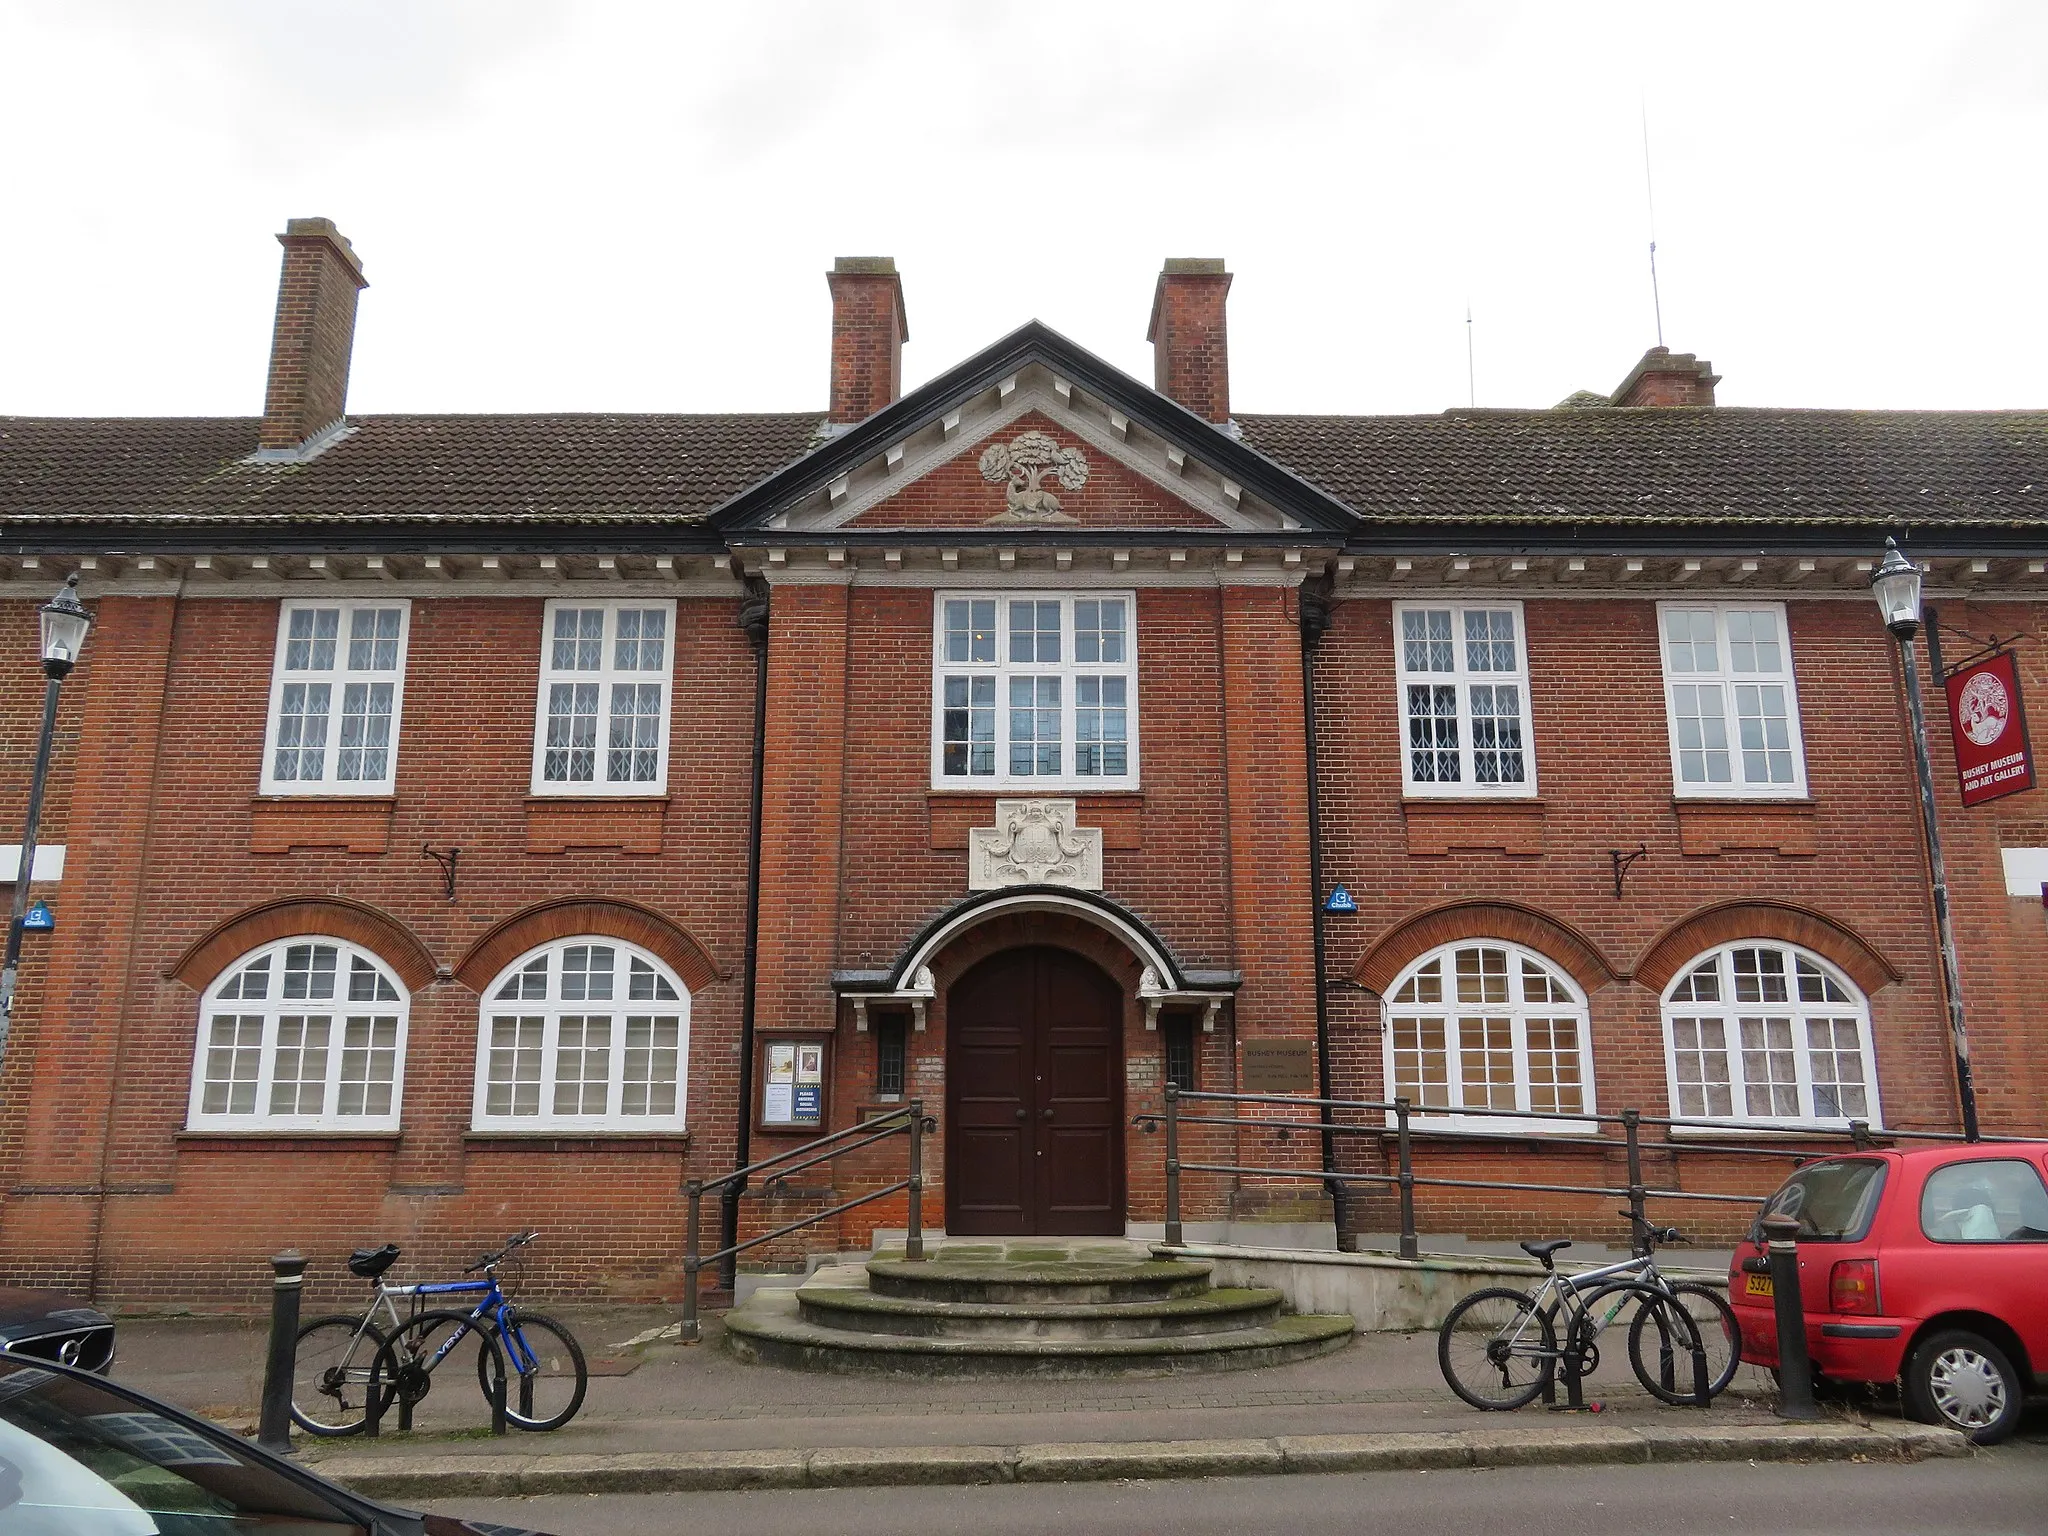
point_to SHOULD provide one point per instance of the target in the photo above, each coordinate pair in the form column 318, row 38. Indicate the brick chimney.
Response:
column 869, row 328
column 1665, row 378
column 1190, row 346
column 316, row 331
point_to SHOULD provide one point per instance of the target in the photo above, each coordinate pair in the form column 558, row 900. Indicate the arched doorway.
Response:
column 1035, row 1097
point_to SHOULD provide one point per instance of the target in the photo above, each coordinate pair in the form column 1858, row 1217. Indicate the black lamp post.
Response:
column 1896, row 586
column 65, row 622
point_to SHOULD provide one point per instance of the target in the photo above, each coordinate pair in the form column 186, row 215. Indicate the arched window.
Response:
column 1771, row 1033
column 585, row 1034
column 304, row 1034
column 1488, row 1026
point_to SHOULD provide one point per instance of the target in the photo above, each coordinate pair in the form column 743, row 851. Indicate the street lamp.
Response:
column 1896, row 586
column 64, row 623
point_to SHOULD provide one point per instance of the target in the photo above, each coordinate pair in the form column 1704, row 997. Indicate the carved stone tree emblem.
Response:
column 1021, row 466
column 1035, row 842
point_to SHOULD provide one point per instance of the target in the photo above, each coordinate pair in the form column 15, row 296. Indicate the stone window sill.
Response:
column 1506, row 825
column 625, row 1141
column 255, row 1137
column 353, row 824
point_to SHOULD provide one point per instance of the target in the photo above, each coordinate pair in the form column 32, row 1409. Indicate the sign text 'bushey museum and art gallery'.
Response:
column 461, row 814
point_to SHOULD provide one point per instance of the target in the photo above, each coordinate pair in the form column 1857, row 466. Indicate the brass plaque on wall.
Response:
column 1279, row 1066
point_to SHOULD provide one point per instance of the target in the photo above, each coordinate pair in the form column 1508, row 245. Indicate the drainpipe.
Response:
column 753, row 619
column 1315, row 621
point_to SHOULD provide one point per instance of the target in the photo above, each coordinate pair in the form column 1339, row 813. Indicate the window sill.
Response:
column 1120, row 814
column 1709, row 825
column 1497, row 1129
column 1505, row 824
column 1762, row 1131
column 628, row 823
column 352, row 823
column 222, row 1137
column 548, row 1140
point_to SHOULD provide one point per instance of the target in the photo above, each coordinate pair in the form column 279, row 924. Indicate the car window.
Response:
column 1985, row 1201
column 79, row 1460
column 1833, row 1201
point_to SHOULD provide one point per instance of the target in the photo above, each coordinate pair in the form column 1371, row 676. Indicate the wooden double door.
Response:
column 1035, row 1098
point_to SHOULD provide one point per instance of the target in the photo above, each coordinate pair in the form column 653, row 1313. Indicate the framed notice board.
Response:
column 794, row 1072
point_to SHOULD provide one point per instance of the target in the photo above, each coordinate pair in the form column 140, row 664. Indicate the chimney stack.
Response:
column 869, row 328
column 1666, row 378
column 316, row 330
column 1190, row 346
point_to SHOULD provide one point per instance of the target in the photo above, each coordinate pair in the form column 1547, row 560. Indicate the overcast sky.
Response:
column 630, row 206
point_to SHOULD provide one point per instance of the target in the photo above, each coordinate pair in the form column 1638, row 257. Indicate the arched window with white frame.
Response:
column 584, row 1034
column 1485, row 1025
column 1769, row 1033
column 304, row 1034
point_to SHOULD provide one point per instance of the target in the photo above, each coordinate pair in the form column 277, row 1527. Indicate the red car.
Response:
column 1926, row 1267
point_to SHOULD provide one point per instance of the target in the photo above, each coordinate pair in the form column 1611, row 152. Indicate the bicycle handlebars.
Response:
column 489, row 1259
column 1655, row 1234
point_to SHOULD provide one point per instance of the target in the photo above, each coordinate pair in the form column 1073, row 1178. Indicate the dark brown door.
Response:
column 1034, row 1098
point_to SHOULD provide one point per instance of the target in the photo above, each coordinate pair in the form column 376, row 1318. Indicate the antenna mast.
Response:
column 1471, row 378
column 1650, row 195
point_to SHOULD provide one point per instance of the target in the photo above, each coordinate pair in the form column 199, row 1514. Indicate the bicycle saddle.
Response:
column 1544, row 1250
column 372, row 1262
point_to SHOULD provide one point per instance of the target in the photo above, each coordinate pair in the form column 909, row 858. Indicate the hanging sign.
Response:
column 38, row 918
column 1341, row 900
column 1990, row 729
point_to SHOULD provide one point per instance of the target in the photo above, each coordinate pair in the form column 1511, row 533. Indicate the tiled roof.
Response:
column 392, row 469
column 1680, row 467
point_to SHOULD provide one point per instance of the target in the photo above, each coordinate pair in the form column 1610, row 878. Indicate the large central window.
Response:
column 1035, row 690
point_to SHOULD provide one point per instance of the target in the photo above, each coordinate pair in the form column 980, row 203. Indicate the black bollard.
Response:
column 274, row 1431
column 1795, row 1369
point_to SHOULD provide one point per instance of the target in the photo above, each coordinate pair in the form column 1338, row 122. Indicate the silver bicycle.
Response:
column 1499, row 1348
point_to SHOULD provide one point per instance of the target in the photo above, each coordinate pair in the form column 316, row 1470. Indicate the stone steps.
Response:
column 1109, row 1312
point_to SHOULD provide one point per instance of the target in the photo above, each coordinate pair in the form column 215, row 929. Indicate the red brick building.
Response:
column 463, row 822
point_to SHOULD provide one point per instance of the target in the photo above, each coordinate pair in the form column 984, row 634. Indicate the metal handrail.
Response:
column 1858, row 1132
column 909, row 1119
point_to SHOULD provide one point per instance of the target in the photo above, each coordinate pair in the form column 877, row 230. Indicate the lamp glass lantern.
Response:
column 1896, row 586
column 65, row 622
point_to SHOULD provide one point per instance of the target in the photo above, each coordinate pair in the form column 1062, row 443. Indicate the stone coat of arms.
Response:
column 1021, row 467
column 1034, row 842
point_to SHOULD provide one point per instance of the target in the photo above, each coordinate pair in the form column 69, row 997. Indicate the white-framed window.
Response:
column 601, row 725
column 336, row 690
column 1769, row 1033
column 1464, row 679
column 1730, row 700
column 1485, row 1025
column 305, row 1034
column 1035, row 690
column 584, row 1034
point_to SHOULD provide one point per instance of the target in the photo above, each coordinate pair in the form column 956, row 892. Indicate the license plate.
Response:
column 1756, row 1285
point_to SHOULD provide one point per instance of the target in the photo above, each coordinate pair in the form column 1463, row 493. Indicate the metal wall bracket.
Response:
column 1621, row 862
column 447, row 864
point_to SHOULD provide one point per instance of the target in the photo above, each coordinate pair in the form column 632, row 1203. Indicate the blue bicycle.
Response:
column 345, row 1364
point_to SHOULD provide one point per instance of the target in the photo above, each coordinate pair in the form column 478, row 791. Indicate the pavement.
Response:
column 691, row 1417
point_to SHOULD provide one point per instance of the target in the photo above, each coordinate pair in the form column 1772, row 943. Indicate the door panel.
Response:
column 1035, row 1098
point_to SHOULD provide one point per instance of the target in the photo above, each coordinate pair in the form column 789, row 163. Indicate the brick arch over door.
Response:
column 1733, row 920
column 308, row 916
column 573, row 917
column 1416, row 935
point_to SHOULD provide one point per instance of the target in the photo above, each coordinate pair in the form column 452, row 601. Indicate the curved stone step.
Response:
column 857, row 1309
column 1069, row 1283
column 767, row 1328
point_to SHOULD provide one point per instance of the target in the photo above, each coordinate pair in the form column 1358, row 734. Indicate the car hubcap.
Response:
column 1968, row 1390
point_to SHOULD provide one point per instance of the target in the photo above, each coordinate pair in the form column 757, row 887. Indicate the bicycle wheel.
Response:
column 331, row 1375
column 1662, row 1356
column 403, row 1372
column 549, row 1376
column 1496, row 1350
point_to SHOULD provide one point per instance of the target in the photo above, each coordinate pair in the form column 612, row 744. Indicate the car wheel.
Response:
column 1964, row 1381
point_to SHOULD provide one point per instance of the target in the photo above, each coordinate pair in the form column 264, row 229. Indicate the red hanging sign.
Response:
column 1993, row 758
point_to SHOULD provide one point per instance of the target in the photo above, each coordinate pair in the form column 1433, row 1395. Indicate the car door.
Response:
column 1987, row 1215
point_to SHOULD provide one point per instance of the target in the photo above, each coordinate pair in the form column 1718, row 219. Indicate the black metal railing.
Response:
column 1796, row 1146
column 909, row 1120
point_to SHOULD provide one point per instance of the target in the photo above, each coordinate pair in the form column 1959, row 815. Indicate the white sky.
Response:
column 630, row 206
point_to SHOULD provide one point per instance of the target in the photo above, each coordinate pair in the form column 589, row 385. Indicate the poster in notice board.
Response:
column 793, row 1084
column 1989, row 727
